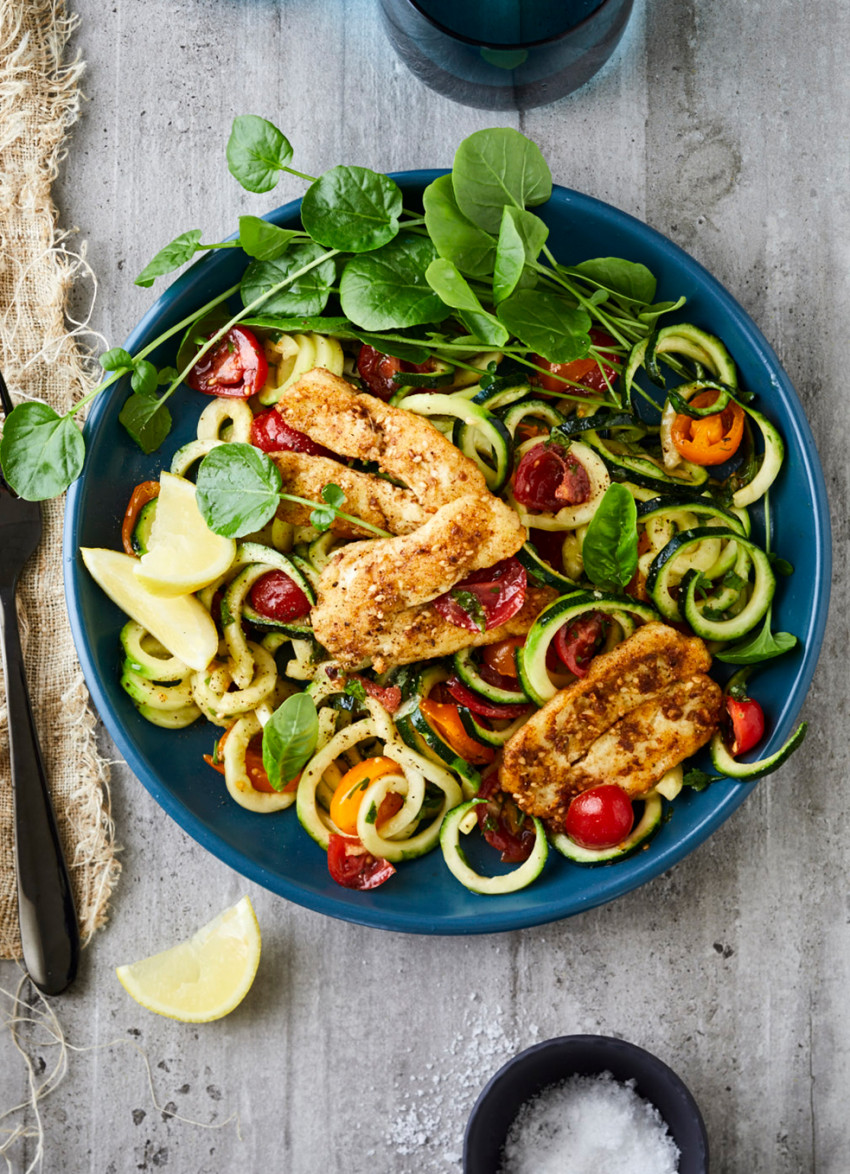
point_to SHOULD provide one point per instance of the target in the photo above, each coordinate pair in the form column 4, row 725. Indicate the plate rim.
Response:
column 491, row 919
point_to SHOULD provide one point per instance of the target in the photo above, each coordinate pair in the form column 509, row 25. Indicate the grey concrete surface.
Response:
column 725, row 126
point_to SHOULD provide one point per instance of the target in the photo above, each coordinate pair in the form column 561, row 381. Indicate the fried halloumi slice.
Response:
column 371, row 498
column 538, row 761
column 373, row 598
column 406, row 446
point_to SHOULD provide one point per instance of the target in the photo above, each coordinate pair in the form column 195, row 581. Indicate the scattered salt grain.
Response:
column 589, row 1123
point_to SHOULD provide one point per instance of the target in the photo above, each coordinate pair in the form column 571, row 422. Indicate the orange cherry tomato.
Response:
column 501, row 657
column 445, row 719
column 709, row 440
column 139, row 498
column 348, row 795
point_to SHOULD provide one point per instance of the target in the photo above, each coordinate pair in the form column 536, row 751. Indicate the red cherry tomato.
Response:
column 387, row 695
column 235, row 367
column 500, row 591
column 549, row 478
column 585, row 371
column 504, row 826
column 353, row 867
column 472, row 701
column 577, row 643
column 277, row 597
column 271, row 433
column 747, row 720
column 377, row 369
column 600, row 818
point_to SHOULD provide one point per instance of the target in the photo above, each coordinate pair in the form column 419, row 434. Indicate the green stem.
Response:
column 299, row 174
column 323, row 505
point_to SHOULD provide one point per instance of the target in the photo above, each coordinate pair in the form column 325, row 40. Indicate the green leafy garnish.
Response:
column 470, row 604
column 610, row 549
column 256, row 152
column 352, row 209
column 290, row 737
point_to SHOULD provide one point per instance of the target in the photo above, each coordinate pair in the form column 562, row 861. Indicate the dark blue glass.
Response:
column 505, row 54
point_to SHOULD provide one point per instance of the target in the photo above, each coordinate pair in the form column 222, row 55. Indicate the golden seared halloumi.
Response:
column 372, row 600
column 642, row 708
column 405, row 446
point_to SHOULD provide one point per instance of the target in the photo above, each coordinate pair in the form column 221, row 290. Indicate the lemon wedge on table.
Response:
column 202, row 979
column 181, row 624
column 183, row 554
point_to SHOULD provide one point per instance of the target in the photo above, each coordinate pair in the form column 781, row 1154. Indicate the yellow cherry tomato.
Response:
column 347, row 797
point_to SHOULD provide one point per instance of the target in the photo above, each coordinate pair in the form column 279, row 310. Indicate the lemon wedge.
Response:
column 183, row 554
column 202, row 979
column 182, row 624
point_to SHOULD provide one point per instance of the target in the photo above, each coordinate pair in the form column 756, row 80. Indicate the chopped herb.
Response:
column 469, row 603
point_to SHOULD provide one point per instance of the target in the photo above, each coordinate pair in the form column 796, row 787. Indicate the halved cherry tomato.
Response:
column 500, row 591
column 549, row 544
column 253, row 765
column 746, row 718
column 548, row 478
column 271, row 433
column 445, row 720
column 387, row 695
column 235, row 366
column 345, row 802
column 477, row 704
column 709, row 440
column 504, row 826
column 377, row 369
column 353, row 867
column 577, row 643
column 587, row 371
column 139, row 498
column 278, row 597
column 501, row 657
column 600, row 818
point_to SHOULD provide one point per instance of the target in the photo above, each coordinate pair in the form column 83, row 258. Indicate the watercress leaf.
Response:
column 197, row 334
column 510, row 258
column 352, row 209
column 334, row 496
column 498, row 167
column 302, row 324
column 116, row 359
column 290, row 737
column 387, row 289
column 456, row 238
column 256, row 152
column 322, row 519
column 166, row 375
column 307, row 294
column 764, row 645
column 263, row 240
column 238, row 489
column 651, row 314
column 627, row 278
column 610, row 549
column 41, row 452
column 171, row 257
column 448, row 282
column 780, row 566
column 147, row 420
column 145, row 378
column 548, row 324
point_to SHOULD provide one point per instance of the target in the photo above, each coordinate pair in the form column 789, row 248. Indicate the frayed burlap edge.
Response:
column 39, row 102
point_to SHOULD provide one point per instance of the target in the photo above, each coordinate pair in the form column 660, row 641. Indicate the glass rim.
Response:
column 507, row 46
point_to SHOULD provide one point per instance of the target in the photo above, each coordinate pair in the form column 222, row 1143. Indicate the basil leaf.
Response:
column 145, row 378
column 548, row 324
column 627, row 278
column 262, row 240
column 764, row 645
column 256, row 151
column 147, row 420
column 456, row 238
column 290, row 737
column 175, row 254
column 237, row 490
column 449, row 284
column 307, row 294
column 495, row 168
column 352, row 209
column 610, row 549
column 387, row 289
column 41, row 452
column 116, row 360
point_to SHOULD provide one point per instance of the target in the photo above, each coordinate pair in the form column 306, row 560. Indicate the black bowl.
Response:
column 581, row 1055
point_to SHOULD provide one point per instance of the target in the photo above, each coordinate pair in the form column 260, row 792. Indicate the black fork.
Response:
column 50, row 935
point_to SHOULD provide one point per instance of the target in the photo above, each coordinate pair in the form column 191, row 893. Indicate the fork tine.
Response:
column 5, row 398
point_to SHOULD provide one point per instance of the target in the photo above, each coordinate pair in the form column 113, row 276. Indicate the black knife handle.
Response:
column 50, row 936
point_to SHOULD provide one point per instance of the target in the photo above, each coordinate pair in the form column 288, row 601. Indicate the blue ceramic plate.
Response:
column 423, row 897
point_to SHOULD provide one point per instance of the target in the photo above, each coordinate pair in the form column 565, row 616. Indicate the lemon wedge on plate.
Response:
column 202, row 979
column 182, row 624
column 183, row 554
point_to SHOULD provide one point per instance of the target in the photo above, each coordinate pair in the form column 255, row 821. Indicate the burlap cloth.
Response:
column 39, row 101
